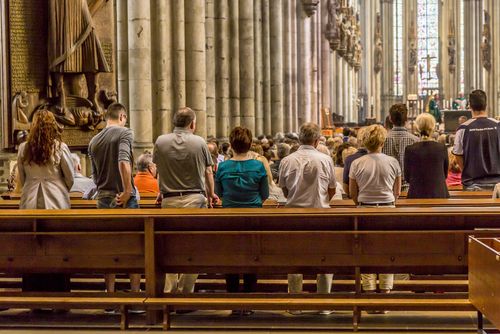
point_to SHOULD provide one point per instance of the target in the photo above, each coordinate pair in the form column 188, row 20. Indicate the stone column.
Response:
column 276, row 31
column 388, row 71
column 247, row 64
column 122, row 52
column 314, row 69
column 345, row 92
column 234, row 87
column 339, row 86
column 196, row 63
column 449, row 53
column 491, row 65
column 162, row 64
column 473, row 21
column 139, row 42
column 287, row 66
column 266, row 67
column 179, row 54
column 222, row 67
column 325, row 60
column 304, row 63
column 294, row 64
column 210, row 63
column 410, row 33
column 259, row 105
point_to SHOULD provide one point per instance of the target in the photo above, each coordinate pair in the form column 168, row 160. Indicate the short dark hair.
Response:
column 399, row 114
column 184, row 117
column 478, row 100
column 240, row 139
column 115, row 110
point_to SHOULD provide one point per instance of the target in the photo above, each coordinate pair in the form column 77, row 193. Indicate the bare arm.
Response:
column 396, row 190
column 345, row 186
column 126, row 176
column 209, row 180
column 353, row 190
column 331, row 193
column 460, row 161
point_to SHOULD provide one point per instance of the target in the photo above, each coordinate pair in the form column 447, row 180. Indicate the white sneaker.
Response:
column 325, row 312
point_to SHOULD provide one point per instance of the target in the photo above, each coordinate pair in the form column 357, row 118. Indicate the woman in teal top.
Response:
column 241, row 182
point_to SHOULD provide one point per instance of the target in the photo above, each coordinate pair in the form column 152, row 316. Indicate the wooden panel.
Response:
column 484, row 280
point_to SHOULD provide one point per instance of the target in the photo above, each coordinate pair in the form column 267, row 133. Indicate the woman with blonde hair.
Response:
column 375, row 181
column 45, row 177
column 426, row 163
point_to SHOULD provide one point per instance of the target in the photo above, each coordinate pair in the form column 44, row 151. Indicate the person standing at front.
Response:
column 307, row 178
column 110, row 152
column 186, row 178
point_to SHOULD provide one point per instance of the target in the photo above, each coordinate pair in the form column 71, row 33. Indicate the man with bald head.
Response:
column 185, row 176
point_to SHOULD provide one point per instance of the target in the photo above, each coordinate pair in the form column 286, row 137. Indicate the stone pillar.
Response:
column 196, row 63
column 259, row 105
column 234, row 90
column 325, row 60
column 304, row 63
column 266, row 67
column 410, row 33
column 179, row 57
column 222, row 67
column 314, row 69
column 162, row 64
column 491, row 67
column 122, row 52
column 276, row 32
column 388, row 70
column 139, row 63
column 210, row 63
column 333, row 74
column 449, row 53
column 473, row 21
column 294, row 65
column 339, row 86
column 287, row 66
column 247, row 64
column 345, row 91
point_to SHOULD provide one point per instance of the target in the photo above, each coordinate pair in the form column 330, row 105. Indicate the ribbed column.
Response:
column 388, row 56
column 314, row 69
column 210, row 63
column 276, row 30
column 294, row 65
column 196, row 63
column 162, row 64
column 122, row 52
column 325, row 60
column 473, row 21
column 139, row 63
column 304, row 63
column 247, row 64
column 492, row 76
column 259, row 105
column 410, row 41
column 339, row 84
column 346, row 91
column 266, row 66
column 222, row 67
column 287, row 65
column 234, row 87
column 179, row 57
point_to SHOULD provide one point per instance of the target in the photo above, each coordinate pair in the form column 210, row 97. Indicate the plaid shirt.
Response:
column 395, row 144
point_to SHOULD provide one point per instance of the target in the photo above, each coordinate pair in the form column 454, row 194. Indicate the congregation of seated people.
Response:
column 371, row 165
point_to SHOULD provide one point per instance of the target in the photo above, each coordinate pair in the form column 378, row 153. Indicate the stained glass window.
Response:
column 398, row 47
column 428, row 44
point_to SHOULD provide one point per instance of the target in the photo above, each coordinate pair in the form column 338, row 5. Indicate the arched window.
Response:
column 428, row 45
column 398, row 47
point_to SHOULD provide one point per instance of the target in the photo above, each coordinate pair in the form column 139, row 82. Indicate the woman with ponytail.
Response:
column 426, row 163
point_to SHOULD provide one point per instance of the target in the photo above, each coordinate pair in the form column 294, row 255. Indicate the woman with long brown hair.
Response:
column 45, row 177
column 45, row 166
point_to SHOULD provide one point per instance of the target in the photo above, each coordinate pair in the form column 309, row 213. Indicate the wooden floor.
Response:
column 220, row 322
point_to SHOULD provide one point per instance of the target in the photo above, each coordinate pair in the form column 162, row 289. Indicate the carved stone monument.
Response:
column 61, row 55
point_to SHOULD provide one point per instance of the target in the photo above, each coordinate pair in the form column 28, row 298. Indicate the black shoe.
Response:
column 184, row 311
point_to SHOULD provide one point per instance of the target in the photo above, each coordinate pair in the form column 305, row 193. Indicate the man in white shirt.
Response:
column 307, row 178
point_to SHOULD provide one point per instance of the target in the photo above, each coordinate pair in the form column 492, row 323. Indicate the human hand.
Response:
column 122, row 198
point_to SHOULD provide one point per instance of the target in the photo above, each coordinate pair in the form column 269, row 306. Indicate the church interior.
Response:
column 299, row 143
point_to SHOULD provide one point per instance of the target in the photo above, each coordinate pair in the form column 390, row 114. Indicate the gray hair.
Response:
column 309, row 133
column 283, row 150
column 144, row 161
column 184, row 117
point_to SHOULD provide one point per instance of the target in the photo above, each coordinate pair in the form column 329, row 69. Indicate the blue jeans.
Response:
column 109, row 202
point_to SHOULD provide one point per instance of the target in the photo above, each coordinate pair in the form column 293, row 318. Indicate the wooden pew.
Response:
column 345, row 240
column 484, row 278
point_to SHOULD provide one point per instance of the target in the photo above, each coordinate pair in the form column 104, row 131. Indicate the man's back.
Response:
column 181, row 159
column 478, row 141
column 307, row 175
column 106, row 149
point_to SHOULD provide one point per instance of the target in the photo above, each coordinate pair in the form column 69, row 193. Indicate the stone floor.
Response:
column 220, row 322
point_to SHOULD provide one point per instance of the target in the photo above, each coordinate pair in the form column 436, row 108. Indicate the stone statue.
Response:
column 332, row 28
column 378, row 53
column 412, row 50
column 19, row 107
column 451, row 55
column 344, row 36
column 74, row 48
column 486, row 43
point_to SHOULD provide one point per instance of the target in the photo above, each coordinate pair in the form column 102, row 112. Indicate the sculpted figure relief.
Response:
column 486, row 43
column 74, row 48
column 378, row 54
column 19, row 107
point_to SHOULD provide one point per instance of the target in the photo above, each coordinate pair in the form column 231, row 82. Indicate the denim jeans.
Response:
column 109, row 202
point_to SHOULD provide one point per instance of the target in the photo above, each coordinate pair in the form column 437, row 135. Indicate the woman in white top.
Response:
column 375, row 181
